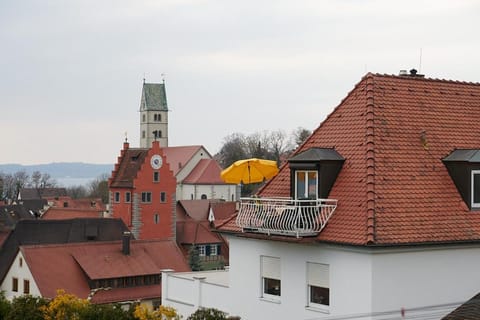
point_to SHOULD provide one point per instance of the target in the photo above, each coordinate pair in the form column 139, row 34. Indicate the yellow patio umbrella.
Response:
column 249, row 171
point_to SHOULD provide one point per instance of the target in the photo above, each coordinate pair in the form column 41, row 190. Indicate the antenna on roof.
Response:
column 144, row 78
column 126, row 138
column 163, row 78
column 420, row 63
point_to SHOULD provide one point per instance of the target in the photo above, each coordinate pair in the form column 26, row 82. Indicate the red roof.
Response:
column 131, row 159
column 68, row 266
column 207, row 171
column 178, row 157
column 195, row 232
column 54, row 213
column 393, row 188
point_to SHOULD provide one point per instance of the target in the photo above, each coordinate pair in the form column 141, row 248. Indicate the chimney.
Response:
column 126, row 243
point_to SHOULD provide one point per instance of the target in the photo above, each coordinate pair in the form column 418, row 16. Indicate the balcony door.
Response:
column 306, row 184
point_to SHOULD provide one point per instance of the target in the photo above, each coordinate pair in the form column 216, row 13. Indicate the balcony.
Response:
column 284, row 216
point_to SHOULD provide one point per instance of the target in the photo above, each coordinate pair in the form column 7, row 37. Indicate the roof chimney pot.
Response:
column 126, row 243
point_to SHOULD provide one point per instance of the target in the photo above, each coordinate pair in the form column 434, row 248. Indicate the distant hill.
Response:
column 59, row 170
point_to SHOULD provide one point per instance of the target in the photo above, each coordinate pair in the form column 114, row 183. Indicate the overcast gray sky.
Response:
column 71, row 72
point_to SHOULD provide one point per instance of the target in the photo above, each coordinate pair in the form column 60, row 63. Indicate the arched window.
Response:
column 204, row 196
column 143, row 118
column 143, row 134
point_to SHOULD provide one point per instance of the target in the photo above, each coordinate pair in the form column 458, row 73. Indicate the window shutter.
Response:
column 270, row 267
column 318, row 274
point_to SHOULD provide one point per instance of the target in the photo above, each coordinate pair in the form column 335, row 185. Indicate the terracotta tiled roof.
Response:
column 195, row 209
column 58, row 231
column 178, row 157
column 69, row 266
column 207, row 171
column 470, row 310
column 190, row 231
column 128, row 294
column 55, row 213
column 125, row 172
column 393, row 188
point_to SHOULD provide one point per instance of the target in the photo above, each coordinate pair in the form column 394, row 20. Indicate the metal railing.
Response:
column 285, row 216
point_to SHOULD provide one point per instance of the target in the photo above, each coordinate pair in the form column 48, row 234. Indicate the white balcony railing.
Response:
column 284, row 216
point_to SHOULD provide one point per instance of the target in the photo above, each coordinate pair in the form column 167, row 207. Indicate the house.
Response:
column 375, row 215
column 102, row 272
column 198, row 174
column 142, row 192
column 38, row 232
column 469, row 310
column 195, row 222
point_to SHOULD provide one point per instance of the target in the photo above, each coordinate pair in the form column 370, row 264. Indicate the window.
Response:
column 306, row 184
column 201, row 250
column 475, row 188
column 143, row 134
column 143, row 119
column 156, row 176
column 163, row 197
column 156, row 218
column 270, row 270
column 26, row 286
column 146, row 197
column 203, row 196
column 14, row 284
column 117, row 197
column 318, row 284
column 20, row 262
column 213, row 249
column 128, row 196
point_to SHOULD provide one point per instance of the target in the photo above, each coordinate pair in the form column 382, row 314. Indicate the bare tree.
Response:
column 233, row 149
column 300, row 135
column 98, row 188
column 77, row 192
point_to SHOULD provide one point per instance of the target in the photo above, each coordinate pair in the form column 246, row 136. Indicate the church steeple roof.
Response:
column 154, row 97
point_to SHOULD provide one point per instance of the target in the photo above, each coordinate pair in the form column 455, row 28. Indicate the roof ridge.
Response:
column 370, row 157
column 418, row 78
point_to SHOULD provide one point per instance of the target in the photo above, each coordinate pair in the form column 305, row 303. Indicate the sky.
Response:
column 71, row 71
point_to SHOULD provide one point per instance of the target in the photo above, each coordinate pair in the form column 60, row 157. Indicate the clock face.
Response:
column 156, row 161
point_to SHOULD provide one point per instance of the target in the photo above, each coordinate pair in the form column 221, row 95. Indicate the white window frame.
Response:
column 306, row 193
column 318, row 275
column 213, row 249
column 474, row 205
column 201, row 250
column 270, row 268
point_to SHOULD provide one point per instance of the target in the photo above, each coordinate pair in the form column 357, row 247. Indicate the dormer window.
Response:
column 313, row 173
column 464, row 169
column 475, row 188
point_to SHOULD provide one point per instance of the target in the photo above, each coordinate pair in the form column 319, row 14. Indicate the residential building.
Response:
column 103, row 272
column 375, row 215
column 195, row 230
column 38, row 232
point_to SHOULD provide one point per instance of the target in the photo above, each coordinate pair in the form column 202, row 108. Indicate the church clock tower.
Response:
column 153, row 115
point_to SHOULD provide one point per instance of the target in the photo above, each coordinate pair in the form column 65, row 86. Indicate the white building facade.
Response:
column 363, row 283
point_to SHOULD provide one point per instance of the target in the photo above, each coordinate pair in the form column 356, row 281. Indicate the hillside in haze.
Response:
column 61, row 170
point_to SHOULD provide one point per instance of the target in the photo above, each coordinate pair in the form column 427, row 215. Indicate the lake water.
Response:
column 70, row 182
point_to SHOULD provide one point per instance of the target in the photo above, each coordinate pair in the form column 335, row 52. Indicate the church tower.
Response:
column 153, row 115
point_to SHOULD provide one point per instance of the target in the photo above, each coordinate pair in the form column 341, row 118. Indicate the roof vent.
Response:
column 403, row 73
